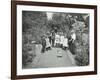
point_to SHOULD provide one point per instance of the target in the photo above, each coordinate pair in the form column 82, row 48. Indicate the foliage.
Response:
column 28, row 54
column 35, row 24
column 82, row 57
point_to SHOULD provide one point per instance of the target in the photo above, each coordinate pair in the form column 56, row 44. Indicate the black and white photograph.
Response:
column 54, row 39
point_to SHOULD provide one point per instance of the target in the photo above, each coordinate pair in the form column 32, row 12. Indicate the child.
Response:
column 43, row 42
column 57, row 40
column 48, row 45
column 61, row 40
column 65, row 43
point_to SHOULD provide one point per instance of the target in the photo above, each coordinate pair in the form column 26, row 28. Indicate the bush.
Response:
column 82, row 57
column 28, row 54
column 80, row 48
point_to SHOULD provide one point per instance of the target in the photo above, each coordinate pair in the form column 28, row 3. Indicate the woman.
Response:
column 73, row 36
column 53, row 38
column 48, row 45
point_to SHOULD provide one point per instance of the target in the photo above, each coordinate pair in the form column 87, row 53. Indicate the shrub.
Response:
column 28, row 54
column 82, row 57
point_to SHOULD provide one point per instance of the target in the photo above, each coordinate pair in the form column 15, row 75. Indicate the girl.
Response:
column 65, row 43
column 48, row 45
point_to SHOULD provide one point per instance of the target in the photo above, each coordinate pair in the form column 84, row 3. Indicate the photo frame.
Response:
column 25, row 10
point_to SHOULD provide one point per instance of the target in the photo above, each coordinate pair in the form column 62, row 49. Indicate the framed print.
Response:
column 52, row 39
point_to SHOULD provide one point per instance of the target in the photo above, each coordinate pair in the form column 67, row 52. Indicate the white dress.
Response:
column 61, row 39
column 73, row 36
column 57, row 38
column 47, row 43
column 65, row 42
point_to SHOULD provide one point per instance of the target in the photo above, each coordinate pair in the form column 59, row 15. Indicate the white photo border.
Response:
column 35, row 71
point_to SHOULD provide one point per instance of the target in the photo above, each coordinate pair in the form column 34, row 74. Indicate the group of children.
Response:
column 61, row 40
column 58, row 39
